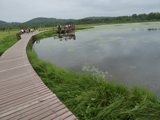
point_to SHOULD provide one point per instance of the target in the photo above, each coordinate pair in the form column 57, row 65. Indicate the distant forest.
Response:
column 51, row 22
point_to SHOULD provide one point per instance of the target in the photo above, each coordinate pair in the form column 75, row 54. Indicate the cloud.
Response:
column 21, row 11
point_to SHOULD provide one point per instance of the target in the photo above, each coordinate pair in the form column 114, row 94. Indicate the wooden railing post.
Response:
column 18, row 36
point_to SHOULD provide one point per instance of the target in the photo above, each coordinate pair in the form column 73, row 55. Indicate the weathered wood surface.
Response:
column 23, row 95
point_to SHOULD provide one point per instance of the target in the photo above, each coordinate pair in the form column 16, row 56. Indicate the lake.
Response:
column 125, row 53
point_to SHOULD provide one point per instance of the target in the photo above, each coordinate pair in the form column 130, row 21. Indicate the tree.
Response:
column 3, row 28
column 134, row 17
column 151, row 16
column 22, row 26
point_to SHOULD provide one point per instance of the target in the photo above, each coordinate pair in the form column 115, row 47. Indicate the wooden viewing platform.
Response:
column 23, row 95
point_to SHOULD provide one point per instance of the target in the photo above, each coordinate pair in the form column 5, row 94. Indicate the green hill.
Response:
column 2, row 23
column 6, row 24
column 47, row 22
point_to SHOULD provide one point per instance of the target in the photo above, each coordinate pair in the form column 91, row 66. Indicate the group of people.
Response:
column 66, row 27
column 27, row 30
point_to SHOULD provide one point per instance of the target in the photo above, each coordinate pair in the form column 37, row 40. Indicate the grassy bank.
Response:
column 92, row 98
column 6, row 41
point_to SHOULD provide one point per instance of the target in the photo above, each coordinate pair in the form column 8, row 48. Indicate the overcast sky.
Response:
column 24, row 10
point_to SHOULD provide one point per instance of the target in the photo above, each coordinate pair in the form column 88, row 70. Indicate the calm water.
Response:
column 130, row 53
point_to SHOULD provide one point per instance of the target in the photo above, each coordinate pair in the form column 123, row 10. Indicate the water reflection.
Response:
column 66, row 36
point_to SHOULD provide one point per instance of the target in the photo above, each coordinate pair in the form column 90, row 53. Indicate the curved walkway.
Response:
column 23, row 95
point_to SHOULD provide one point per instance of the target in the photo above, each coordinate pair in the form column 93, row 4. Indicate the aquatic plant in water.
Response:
column 70, row 50
column 115, row 38
column 155, row 55
column 95, row 71
column 132, row 67
column 103, row 45
column 97, row 50
column 48, row 47
column 91, row 43
column 145, row 41
column 47, row 43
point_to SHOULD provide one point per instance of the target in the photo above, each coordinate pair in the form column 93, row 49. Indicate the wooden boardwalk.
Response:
column 23, row 95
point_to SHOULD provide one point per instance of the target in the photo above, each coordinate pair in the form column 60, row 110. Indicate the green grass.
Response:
column 6, row 41
column 14, row 31
column 90, row 97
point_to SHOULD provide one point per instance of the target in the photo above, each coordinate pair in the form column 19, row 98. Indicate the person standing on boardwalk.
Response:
column 34, row 29
column 60, row 27
column 73, row 27
column 27, row 31
column 22, row 31
column 69, row 26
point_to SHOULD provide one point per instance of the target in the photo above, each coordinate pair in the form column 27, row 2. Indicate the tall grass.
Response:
column 92, row 98
column 6, row 42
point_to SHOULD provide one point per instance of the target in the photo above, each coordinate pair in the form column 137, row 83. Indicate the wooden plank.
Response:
column 24, row 103
column 30, row 109
column 39, row 113
column 25, row 106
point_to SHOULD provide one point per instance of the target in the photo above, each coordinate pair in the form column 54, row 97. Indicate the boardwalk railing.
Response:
column 18, row 36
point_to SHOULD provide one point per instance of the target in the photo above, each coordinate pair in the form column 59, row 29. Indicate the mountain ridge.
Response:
column 48, row 22
column 44, row 20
